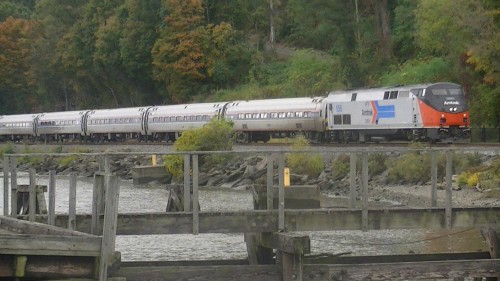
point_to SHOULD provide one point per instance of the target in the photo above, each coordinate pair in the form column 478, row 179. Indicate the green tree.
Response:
column 15, row 53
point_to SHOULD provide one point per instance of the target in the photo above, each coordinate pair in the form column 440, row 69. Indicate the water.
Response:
column 153, row 198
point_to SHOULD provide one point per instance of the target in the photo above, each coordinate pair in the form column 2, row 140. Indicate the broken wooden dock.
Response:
column 30, row 249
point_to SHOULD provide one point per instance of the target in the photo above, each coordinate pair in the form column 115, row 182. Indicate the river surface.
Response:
column 153, row 198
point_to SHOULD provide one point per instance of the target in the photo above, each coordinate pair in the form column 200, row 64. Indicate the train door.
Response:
column 144, row 122
column 83, row 123
column 222, row 112
column 35, row 126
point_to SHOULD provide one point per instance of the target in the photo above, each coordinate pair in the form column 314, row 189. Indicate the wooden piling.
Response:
column 98, row 194
column 32, row 195
column 13, row 187
column 270, row 182
column 433, row 178
column 6, row 168
column 196, row 209
column 449, row 166
column 187, row 183
column 352, row 176
column 51, row 220
column 281, row 193
column 72, row 201
column 110, row 224
column 364, row 171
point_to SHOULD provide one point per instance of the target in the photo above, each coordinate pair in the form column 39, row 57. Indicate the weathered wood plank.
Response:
column 52, row 198
column 109, row 228
column 25, row 227
column 411, row 270
column 286, row 242
column 296, row 220
column 43, row 267
column 72, row 201
column 202, row 273
column 23, row 244
column 6, row 168
column 32, row 195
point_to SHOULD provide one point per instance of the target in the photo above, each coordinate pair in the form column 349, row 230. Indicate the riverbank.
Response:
column 243, row 172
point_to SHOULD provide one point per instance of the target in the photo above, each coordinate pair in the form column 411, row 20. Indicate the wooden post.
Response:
column 101, row 164
column 72, row 201
column 352, row 188
column 107, row 167
column 13, row 187
column 98, row 194
column 433, row 178
column 364, row 171
column 110, row 223
column 292, row 266
column 187, row 183
column 52, row 198
column 281, row 193
column 493, row 241
column 32, row 195
column 6, row 168
column 448, row 211
column 270, row 181
column 196, row 222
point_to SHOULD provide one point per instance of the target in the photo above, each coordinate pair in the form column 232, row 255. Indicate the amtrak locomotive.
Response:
column 430, row 112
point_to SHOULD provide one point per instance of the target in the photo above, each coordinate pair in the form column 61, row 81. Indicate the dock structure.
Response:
column 275, row 250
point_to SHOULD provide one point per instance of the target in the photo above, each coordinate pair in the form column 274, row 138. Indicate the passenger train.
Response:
column 430, row 112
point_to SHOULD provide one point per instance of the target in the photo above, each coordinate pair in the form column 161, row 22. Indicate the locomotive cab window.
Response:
column 393, row 95
column 353, row 97
column 404, row 94
column 337, row 119
column 386, row 95
column 346, row 119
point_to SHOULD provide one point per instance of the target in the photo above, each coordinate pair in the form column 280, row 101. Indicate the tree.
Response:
column 186, row 52
column 15, row 53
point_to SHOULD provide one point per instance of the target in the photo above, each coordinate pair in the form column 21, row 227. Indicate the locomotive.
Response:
column 430, row 112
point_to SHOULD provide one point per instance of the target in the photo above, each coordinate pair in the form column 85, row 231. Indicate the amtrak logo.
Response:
column 454, row 102
column 382, row 111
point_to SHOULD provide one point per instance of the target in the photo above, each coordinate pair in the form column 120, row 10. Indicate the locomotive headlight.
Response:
column 442, row 115
column 465, row 115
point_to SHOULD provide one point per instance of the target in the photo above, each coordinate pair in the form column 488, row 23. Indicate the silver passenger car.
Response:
column 259, row 120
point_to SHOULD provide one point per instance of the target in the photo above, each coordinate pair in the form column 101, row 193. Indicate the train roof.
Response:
column 117, row 112
column 63, row 115
column 17, row 118
column 275, row 104
column 378, row 93
column 190, row 109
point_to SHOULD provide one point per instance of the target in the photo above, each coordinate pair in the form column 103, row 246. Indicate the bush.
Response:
column 303, row 163
column 376, row 163
column 411, row 168
column 214, row 136
column 7, row 149
column 340, row 167
column 31, row 160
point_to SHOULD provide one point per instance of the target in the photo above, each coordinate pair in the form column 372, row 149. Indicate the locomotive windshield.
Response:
column 446, row 97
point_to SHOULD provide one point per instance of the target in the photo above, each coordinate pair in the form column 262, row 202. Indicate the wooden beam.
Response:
column 296, row 220
column 286, row 242
column 412, row 270
column 202, row 273
column 45, row 245
column 36, row 228
column 107, row 248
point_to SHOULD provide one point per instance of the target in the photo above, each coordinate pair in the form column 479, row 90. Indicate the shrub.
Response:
column 303, row 163
column 31, row 160
column 7, row 149
column 376, row 163
column 412, row 168
column 214, row 136
column 340, row 167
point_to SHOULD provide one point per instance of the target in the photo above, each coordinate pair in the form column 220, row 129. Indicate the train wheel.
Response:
column 241, row 137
